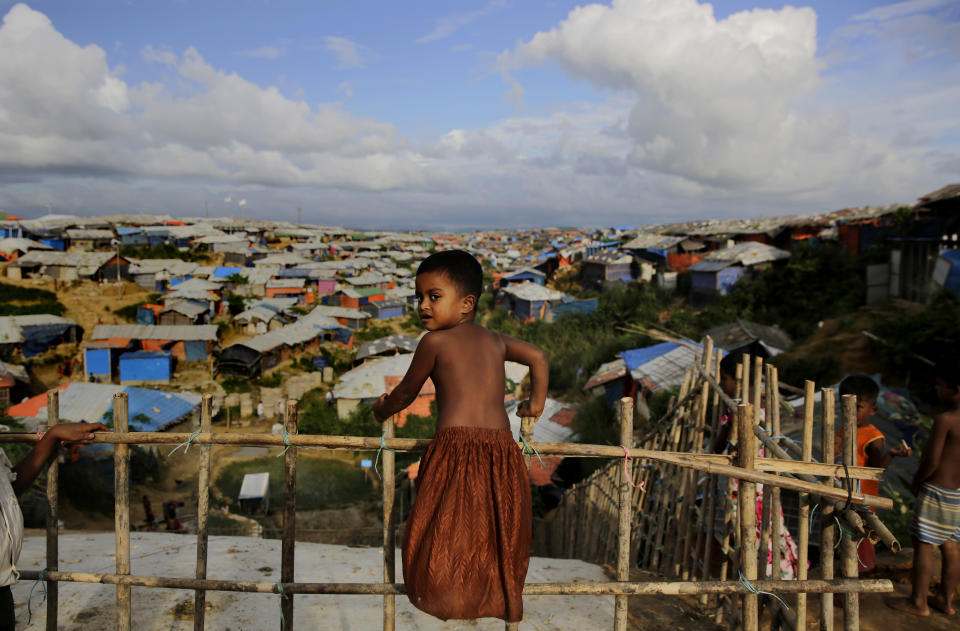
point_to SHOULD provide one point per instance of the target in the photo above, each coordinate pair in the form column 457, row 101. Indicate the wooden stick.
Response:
column 625, row 512
column 730, row 532
column 827, row 510
column 666, row 588
column 53, row 513
column 203, row 511
column 389, row 523
column 776, row 515
column 765, row 513
column 289, row 530
column 803, row 521
column 848, row 547
column 747, row 512
column 877, row 530
column 121, row 484
column 713, row 486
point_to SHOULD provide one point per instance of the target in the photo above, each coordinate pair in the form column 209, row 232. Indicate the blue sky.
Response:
column 475, row 114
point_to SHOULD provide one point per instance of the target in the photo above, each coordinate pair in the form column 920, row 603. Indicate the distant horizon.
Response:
column 480, row 115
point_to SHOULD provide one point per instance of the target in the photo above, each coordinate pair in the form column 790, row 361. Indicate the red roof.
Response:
column 31, row 407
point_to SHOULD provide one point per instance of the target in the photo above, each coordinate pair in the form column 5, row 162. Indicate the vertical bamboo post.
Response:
column 700, row 524
column 121, row 485
column 848, row 547
column 776, row 521
column 389, row 536
column 746, row 457
column 729, row 531
column 826, row 513
column 203, row 511
column 766, row 514
column 713, row 486
column 289, row 528
column 756, row 392
column 623, row 532
column 803, row 527
column 53, row 514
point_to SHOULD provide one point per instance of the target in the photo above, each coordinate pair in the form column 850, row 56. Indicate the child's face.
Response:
column 865, row 409
column 728, row 383
column 440, row 304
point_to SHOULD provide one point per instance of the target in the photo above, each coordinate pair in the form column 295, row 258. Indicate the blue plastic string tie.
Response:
column 753, row 590
column 43, row 586
column 283, row 597
column 376, row 464
column 527, row 448
column 780, row 438
column 186, row 444
column 286, row 441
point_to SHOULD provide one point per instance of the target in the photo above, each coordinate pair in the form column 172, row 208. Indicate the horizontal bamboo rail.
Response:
column 669, row 588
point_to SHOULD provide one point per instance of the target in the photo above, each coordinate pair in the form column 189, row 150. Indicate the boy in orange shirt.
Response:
column 870, row 444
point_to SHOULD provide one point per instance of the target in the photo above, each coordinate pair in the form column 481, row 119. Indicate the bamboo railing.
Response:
column 645, row 490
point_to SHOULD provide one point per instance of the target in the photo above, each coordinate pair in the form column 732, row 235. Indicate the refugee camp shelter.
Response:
column 33, row 334
column 608, row 266
column 662, row 365
column 386, row 309
column 69, row 265
column 13, row 248
column 385, row 346
column 146, row 366
column 613, row 380
column 187, row 343
column 528, row 301
column 553, row 426
column 254, row 496
column 750, row 337
column 10, row 376
column 254, row 356
column 369, row 380
column 150, row 410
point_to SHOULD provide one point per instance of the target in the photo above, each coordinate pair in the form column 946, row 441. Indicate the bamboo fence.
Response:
column 664, row 511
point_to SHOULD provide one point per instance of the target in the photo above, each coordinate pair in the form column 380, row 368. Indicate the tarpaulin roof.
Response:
column 661, row 365
column 91, row 402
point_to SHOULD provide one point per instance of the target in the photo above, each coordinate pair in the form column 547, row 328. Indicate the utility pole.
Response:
column 206, row 209
column 298, row 217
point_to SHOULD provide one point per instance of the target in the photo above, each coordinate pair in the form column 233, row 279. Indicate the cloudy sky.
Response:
column 475, row 113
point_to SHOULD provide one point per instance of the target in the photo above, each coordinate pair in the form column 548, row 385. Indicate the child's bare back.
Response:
column 946, row 438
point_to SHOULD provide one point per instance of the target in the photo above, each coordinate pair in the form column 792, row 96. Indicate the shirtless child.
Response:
column 936, row 520
column 466, row 545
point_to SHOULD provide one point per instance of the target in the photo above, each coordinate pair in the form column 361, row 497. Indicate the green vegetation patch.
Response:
column 16, row 300
column 321, row 482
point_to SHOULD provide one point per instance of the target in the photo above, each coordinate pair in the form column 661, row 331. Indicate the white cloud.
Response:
column 164, row 56
column 450, row 24
column 347, row 88
column 715, row 99
column 264, row 52
column 349, row 54
column 900, row 9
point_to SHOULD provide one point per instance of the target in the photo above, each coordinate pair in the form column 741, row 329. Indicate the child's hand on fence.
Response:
column 525, row 409
column 378, row 409
column 76, row 432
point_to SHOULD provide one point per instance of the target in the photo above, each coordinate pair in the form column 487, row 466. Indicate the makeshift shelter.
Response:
column 750, row 337
column 254, row 496
column 33, row 334
column 528, row 301
column 386, row 309
column 187, row 343
column 608, row 266
column 660, row 366
column 390, row 345
column 144, row 366
column 10, row 376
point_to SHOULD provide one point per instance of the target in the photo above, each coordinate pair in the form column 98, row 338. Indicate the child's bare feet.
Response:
column 907, row 605
column 937, row 603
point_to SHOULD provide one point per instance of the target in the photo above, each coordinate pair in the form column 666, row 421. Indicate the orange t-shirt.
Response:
column 865, row 435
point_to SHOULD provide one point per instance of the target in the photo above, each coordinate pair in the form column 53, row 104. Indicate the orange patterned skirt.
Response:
column 466, row 545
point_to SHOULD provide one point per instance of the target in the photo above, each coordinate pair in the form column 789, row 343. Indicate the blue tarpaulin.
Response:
column 226, row 271
column 145, row 366
column 639, row 356
column 145, row 316
column 343, row 335
column 195, row 351
column 97, row 361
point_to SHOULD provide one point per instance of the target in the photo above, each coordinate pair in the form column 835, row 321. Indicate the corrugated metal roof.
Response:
column 710, row 266
column 338, row 312
column 387, row 343
column 660, row 366
column 748, row 253
column 532, row 291
column 16, row 244
column 607, row 372
column 178, row 332
column 94, row 260
column 297, row 333
column 646, row 241
column 367, row 380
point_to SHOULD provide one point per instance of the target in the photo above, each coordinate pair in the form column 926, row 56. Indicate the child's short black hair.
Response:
column 730, row 362
column 865, row 388
column 460, row 267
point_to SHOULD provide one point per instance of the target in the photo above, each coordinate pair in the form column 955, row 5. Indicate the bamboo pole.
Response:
column 389, row 523
column 776, row 520
column 121, row 482
column 729, row 531
column 203, row 511
column 53, row 513
column 766, row 516
column 713, row 486
column 666, row 588
column 625, row 511
column 876, row 529
column 803, row 529
column 848, row 547
column 826, row 514
column 289, row 529
column 747, row 512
